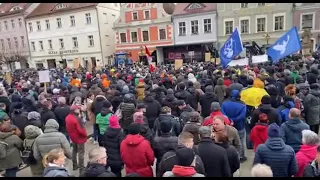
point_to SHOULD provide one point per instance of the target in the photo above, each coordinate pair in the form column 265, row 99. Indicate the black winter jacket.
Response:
column 96, row 170
column 112, row 141
column 176, row 129
column 153, row 110
column 205, row 102
column 233, row 157
column 271, row 112
column 61, row 112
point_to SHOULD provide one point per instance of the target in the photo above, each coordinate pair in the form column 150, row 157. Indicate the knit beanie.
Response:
column 114, row 122
column 165, row 126
column 273, row 130
column 185, row 156
column 134, row 128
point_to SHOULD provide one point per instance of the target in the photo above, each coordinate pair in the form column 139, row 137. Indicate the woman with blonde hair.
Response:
column 54, row 164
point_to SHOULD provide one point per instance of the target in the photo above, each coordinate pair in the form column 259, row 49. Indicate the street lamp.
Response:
column 267, row 37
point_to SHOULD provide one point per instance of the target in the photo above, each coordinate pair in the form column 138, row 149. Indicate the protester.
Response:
column 215, row 111
column 61, row 113
column 97, row 164
column 153, row 109
column 186, row 112
column 308, row 150
column 127, row 110
column 192, row 126
column 102, row 120
column 54, row 164
column 220, row 90
column 276, row 154
column 166, row 116
column 206, row 100
column 311, row 170
column 311, row 107
column 261, row 170
column 259, row 133
column 290, row 131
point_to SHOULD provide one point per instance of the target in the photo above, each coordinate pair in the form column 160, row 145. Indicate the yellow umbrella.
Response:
column 252, row 96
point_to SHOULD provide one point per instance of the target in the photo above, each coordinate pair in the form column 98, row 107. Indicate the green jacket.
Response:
column 295, row 76
column 2, row 115
column 103, row 122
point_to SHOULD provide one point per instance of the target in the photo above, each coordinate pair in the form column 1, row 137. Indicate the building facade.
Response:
column 195, row 31
column 144, row 24
column 306, row 15
column 14, row 47
column 263, row 23
column 72, row 34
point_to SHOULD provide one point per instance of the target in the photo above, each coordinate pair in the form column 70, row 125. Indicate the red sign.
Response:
column 171, row 55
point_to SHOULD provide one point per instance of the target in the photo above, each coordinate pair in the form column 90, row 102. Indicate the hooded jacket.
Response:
column 278, row 156
column 271, row 112
column 76, row 131
column 311, row 107
column 112, row 140
column 141, row 160
column 182, row 171
column 284, row 110
column 220, row 90
column 13, row 158
column 259, row 135
column 152, row 111
column 312, row 170
column 306, row 154
column 291, row 133
column 102, row 119
column 235, row 110
column 176, row 129
column 233, row 157
column 206, row 100
column 170, row 101
column 96, row 170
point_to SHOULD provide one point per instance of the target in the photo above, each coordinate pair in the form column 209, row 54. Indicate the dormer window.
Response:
column 15, row 8
column 195, row 6
column 61, row 6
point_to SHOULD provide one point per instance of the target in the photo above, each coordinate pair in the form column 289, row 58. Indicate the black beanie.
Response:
column 134, row 128
column 185, row 156
column 266, row 99
column 106, row 104
column 165, row 126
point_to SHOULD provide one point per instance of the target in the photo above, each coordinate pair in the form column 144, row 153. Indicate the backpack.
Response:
column 3, row 149
column 27, row 154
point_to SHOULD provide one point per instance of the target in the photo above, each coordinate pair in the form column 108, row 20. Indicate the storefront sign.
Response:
column 64, row 51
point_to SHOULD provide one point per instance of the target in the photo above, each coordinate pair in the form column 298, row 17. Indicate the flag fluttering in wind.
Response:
column 286, row 45
column 149, row 57
column 231, row 48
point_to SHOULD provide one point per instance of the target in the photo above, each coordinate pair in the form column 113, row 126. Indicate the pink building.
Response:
column 14, row 49
column 307, row 15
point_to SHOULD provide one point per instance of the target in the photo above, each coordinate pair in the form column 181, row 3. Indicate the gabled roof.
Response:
column 6, row 8
column 50, row 8
column 193, row 8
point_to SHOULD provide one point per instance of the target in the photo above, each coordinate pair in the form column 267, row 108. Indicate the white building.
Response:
column 66, row 34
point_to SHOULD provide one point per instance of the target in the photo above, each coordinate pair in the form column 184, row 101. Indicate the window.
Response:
column 61, row 6
column 88, row 18
column 72, row 21
column 207, row 25
column 50, row 44
column 278, row 23
column 106, row 18
column 2, row 44
column 9, row 43
column 20, row 22
column 244, row 26
column 146, row 14
column 59, row 24
column 13, row 24
column 307, row 21
column 134, row 36
column 135, row 16
column 38, row 25
column 229, row 27
column 75, row 42
column 261, row 24
column 261, row 4
column 6, row 25
column 145, row 35
column 194, row 27
column 195, row 6
column 48, row 24
column 61, row 43
column 15, row 8
column 244, row 5
column 162, row 34
column 23, row 44
column 30, row 27
column 91, row 41
column 182, row 28
column 33, row 46
column 123, row 38
column 16, row 43
column 41, row 45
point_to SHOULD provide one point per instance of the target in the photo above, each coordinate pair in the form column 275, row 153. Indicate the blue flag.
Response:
column 287, row 44
column 231, row 48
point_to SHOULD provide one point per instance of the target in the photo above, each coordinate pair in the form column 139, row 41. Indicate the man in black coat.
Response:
column 170, row 159
column 205, row 101
column 266, row 108
column 61, row 112
column 214, row 157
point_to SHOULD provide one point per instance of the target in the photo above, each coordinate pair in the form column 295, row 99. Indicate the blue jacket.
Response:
column 235, row 110
column 279, row 156
column 291, row 133
column 284, row 110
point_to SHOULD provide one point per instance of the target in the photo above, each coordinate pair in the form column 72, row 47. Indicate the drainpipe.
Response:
column 100, row 38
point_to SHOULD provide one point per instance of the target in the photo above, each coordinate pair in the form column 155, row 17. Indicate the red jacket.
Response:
column 227, row 82
column 304, row 156
column 209, row 120
column 259, row 135
column 77, row 134
column 137, row 155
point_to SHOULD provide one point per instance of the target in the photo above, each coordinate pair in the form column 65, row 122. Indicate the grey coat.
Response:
column 51, row 139
column 312, row 107
column 13, row 158
column 55, row 171
column 220, row 90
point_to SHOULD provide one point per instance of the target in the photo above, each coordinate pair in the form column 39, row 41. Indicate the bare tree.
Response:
column 16, row 54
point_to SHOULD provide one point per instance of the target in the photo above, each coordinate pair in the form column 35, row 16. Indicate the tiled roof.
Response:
column 6, row 7
column 49, row 8
column 181, row 8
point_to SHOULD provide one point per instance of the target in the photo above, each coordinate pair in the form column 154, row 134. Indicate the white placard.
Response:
column 259, row 59
column 191, row 53
column 17, row 65
column 44, row 76
column 239, row 62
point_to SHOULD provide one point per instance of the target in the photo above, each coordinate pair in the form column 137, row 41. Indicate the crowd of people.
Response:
column 196, row 121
